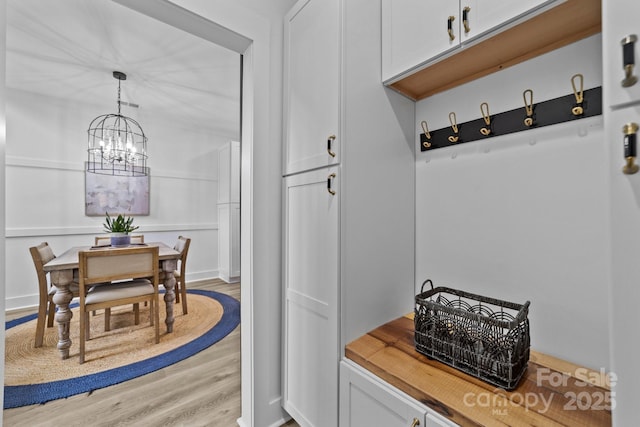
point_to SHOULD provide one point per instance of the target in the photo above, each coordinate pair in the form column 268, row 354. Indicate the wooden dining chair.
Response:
column 106, row 240
column 182, row 246
column 133, row 274
column 41, row 255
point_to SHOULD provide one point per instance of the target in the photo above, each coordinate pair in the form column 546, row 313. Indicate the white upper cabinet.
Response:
column 620, row 19
column 415, row 32
column 312, row 86
column 487, row 15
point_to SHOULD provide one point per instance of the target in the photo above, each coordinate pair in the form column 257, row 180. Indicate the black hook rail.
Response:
column 546, row 113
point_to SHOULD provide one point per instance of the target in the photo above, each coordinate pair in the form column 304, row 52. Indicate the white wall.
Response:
column 261, row 197
column 523, row 216
column 378, row 183
column 45, row 186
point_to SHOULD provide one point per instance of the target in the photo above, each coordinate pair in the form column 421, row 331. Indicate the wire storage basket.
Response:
column 484, row 337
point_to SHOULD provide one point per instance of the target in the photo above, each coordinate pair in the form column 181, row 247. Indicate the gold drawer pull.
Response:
column 416, row 422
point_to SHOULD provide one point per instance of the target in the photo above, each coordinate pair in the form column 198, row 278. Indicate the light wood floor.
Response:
column 203, row 390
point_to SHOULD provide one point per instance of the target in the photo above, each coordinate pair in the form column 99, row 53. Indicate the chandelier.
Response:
column 116, row 143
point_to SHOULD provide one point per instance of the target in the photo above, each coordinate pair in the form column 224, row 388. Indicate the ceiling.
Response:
column 69, row 48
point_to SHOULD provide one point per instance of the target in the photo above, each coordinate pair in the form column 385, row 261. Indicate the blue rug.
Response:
column 22, row 395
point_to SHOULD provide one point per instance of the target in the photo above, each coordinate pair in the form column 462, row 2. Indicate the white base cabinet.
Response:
column 367, row 401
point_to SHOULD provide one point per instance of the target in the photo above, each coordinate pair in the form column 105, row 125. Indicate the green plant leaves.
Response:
column 119, row 225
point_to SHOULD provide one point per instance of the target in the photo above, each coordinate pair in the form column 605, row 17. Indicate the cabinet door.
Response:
column 625, row 292
column 620, row 20
column 312, row 85
column 487, row 15
column 368, row 402
column 414, row 31
column 311, row 324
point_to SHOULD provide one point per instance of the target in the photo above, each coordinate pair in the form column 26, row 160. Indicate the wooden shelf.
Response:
column 566, row 23
column 389, row 353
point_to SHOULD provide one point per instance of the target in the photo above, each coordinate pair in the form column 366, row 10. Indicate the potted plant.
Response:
column 119, row 227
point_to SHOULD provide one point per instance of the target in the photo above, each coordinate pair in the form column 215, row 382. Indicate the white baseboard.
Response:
column 234, row 279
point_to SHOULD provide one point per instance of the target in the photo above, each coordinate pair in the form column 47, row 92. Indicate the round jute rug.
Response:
column 36, row 375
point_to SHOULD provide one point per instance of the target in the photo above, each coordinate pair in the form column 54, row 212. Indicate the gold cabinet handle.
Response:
column 628, row 60
column 450, row 27
column 329, row 182
column 630, row 148
column 465, row 18
column 415, row 423
column 330, row 144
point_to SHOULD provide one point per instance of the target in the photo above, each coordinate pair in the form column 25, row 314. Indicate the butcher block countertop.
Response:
column 553, row 392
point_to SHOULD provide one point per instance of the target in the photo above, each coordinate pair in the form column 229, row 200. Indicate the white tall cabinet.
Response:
column 311, row 213
column 621, row 107
column 229, row 212
column 348, row 186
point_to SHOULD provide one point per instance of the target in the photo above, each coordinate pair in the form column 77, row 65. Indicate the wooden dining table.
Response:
column 61, row 270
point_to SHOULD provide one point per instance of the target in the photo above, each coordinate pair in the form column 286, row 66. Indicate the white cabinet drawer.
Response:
column 367, row 402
